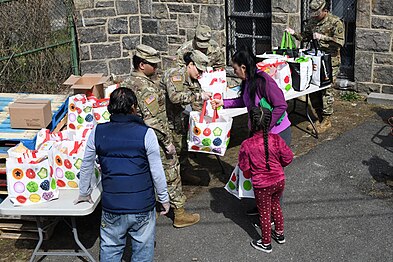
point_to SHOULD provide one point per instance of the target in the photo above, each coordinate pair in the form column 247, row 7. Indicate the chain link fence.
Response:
column 37, row 45
column 249, row 24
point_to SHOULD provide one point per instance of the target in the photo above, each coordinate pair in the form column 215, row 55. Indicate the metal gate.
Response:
column 38, row 48
column 249, row 23
column 346, row 11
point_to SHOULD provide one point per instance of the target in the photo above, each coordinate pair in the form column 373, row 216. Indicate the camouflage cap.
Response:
column 203, row 34
column 148, row 53
column 200, row 59
column 316, row 6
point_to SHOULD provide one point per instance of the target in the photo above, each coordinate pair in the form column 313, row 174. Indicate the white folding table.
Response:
column 60, row 208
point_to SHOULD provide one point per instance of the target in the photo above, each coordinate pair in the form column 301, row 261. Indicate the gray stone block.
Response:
column 99, row 13
column 180, row 8
column 130, row 42
column 285, row 6
column 103, row 51
column 114, row 38
column 279, row 18
column 159, row 11
column 94, row 67
column 156, row 41
column 367, row 88
column 84, row 52
column 83, row 4
column 382, row 23
column 173, row 16
column 382, row 7
column 372, row 40
column 176, row 40
column 134, row 25
column 196, row 9
column 92, row 34
column 145, row 6
column 149, row 26
column 387, row 89
column 182, row 32
column 127, row 7
column 168, row 27
column 94, row 21
column 120, row 66
column 213, row 16
column 190, row 33
column 277, row 31
column 118, row 25
column 105, row 4
column 189, row 1
column 363, row 66
column 383, row 59
column 363, row 14
column 383, row 74
column 188, row 20
column 380, row 99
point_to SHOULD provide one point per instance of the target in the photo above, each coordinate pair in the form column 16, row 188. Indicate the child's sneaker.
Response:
column 257, row 244
column 279, row 238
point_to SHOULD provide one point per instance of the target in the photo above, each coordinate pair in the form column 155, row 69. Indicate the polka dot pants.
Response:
column 268, row 203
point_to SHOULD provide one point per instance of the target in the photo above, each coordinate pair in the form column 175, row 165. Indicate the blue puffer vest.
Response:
column 126, row 179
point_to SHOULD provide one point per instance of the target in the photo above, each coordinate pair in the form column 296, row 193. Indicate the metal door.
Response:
column 249, row 24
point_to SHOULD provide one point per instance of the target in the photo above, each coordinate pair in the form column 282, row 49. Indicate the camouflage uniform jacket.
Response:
column 332, row 30
column 214, row 53
column 181, row 90
column 151, row 105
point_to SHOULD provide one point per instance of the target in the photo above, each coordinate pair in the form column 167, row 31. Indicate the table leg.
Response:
column 75, row 233
column 40, row 239
column 310, row 119
column 307, row 116
column 221, row 164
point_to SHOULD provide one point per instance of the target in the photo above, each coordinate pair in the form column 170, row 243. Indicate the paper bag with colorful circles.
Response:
column 208, row 136
column 239, row 184
column 30, row 181
column 66, row 160
column 80, row 115
column 100, row 109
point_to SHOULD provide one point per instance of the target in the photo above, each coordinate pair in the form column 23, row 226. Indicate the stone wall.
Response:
column 374, row 50
column 285, row 13
column 109, row 30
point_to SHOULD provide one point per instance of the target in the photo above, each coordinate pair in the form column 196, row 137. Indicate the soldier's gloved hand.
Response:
column 206, row 95
column 289, row 30
column 170, row 149
column 216, row 103
column 317, row 36
column 166, row 207
column 83, row 199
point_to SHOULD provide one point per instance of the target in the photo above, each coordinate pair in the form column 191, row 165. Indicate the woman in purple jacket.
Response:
column 255, row 86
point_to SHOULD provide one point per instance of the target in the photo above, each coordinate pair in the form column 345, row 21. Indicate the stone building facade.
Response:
column 109, row 30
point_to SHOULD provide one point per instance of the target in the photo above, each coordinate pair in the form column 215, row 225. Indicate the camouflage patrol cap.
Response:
column 148, row 53
column 316, row 6
column 203, row 34
column 200, row 59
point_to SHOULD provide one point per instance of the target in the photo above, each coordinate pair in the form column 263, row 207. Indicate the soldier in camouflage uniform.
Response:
column 203, row 42
column 151, row 107
column 329, row 30
column 182, row 88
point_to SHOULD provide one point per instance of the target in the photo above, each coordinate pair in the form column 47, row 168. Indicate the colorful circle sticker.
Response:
column 247, row 174
column 34, row 198
column 231, row 185
column 30, row 173
column 19, row 187
column 71, row 126
column 206, row 142
column 21, row 199
column 207, row 132
column 70, row 175
column 60, row 183
column 197, row 131
column 45, row 185
column 72, row 107
column 72, row 184
column 47, row 195
column 32, row 187
column 206, row 149
column 247, row 185
column 53, row 183
column 72, row 117
column 17, row 173
column 59, row 172
column 58, row 160
column 217, row 141
column 196, row 148
column 196, row 140
column 234, row 178
column 217, row 150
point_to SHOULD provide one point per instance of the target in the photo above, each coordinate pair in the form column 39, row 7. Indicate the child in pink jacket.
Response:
column 264, row 155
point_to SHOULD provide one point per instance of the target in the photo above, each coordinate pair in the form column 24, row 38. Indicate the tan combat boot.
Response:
column 184, row 219
column 316, row 124
column 325, row 125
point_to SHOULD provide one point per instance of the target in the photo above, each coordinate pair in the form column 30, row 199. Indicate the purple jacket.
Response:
column 273, row 95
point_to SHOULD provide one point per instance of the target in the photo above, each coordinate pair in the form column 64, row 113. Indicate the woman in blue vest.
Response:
column 131, row 168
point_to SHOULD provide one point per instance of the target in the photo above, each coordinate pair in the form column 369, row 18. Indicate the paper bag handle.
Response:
column 203, row 113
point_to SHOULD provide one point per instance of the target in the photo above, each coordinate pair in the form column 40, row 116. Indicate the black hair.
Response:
column 187, row 58
column 136, row 60
column 121, row 101
column 245, row 57
column 260, row 120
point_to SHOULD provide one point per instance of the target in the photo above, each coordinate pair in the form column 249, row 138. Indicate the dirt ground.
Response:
column 348, row 115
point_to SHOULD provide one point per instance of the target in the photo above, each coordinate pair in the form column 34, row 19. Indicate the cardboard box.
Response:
column 88, row 84
column 30, row 113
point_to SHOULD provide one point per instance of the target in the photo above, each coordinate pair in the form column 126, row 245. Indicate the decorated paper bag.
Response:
column 279, row 70
column 80, row 115
column 45, row 135
column 301, row 72
column 30, row 181
column 322, row 69
column 214, row 82
column 66, row 160
column 100, row 109
column 239, row 184
column 208, row 135
column 20, row 151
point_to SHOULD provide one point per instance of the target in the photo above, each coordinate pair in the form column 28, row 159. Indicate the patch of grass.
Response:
column 350, row 96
